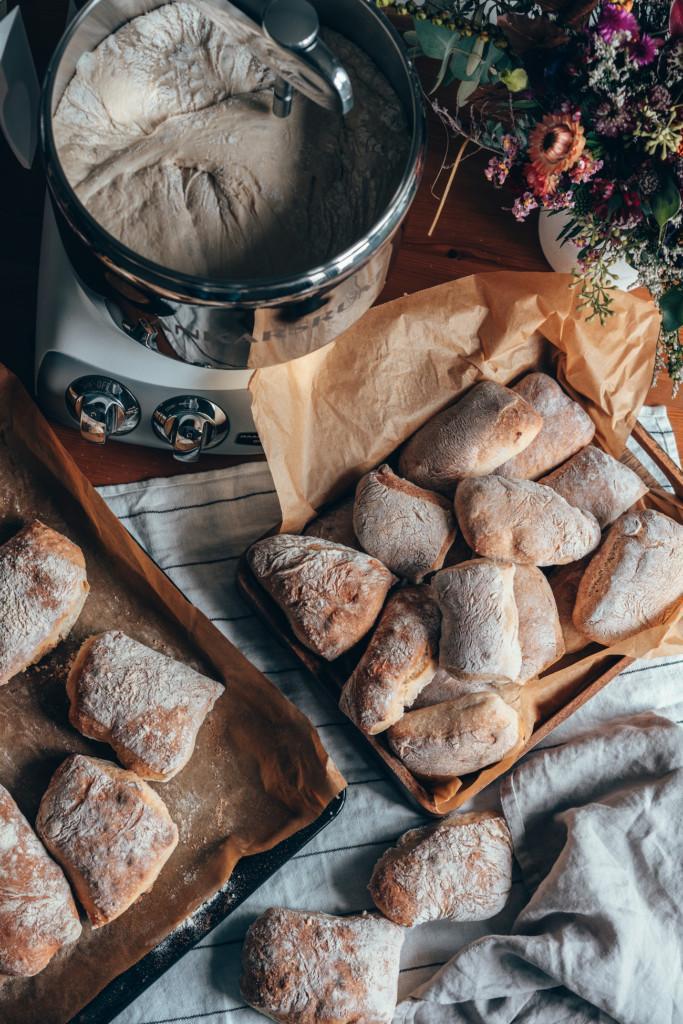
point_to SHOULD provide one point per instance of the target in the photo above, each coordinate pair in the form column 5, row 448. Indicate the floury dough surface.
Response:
column 166, row 133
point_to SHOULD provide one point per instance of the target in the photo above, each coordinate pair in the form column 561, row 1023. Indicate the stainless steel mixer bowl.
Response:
column 221, row 322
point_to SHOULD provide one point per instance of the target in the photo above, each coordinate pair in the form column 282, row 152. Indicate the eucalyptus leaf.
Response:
column 467, row 89
column 435, row 40
column 671, row 306
column 666, row 202
column 443, row 70
column 475, row 60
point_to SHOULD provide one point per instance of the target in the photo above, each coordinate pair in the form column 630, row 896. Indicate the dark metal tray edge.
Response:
column 249, row 874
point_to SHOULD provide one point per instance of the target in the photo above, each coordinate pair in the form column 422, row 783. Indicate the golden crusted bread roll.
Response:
column 43, row 588
column 521, row 521
column 335, row 524
column 37, row 912
column 439, row 742
column 540, row 636
column 408, row 528
column 444, row 687
column 330, row 594
column 471, row 438
column 564, row 582
column 540, row 632
column 397, row 663
column 148, row 707
column 595, row 482
column 566, row 428
column 460, row 870
column 634, row 580
column 479, row 620
column 110, row 832
column 301, row 967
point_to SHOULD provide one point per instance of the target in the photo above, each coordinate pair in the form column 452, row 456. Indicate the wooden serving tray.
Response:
column 555, row 709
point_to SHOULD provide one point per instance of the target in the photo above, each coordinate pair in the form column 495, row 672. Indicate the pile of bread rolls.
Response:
column 108, row 831
column 554, row 557
column 315, row 968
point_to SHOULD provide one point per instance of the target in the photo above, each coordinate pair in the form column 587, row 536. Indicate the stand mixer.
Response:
column 130, row 350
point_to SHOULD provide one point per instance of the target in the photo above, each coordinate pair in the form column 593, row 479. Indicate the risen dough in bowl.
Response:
column 166, row 134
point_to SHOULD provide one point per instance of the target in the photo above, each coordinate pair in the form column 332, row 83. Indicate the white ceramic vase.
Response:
column 562, row 257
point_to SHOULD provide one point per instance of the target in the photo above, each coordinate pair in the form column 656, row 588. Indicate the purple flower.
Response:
column 523, row 205
column 643, row 50
column 616, row 21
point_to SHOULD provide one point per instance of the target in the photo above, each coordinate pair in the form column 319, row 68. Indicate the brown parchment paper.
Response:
column 259, row 772
column 326, row 419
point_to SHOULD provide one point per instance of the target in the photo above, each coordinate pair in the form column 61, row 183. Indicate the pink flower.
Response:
column 676, row 19
column 643, row 50
column 616, row 21
column 523, row 205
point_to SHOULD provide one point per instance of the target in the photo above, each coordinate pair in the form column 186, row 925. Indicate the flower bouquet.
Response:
column 581, row 105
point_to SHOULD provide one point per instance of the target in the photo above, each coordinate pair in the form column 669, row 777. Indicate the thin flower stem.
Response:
column 449, row 184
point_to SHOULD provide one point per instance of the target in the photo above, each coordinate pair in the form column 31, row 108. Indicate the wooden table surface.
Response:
column 474, row 234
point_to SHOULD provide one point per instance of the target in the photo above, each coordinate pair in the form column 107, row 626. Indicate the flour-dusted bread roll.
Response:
column 330, row 594
column 408, row 528
column 461, row 736
column 634, row 580
column 110, row 832
column 37, row 912
column 471, row 438
column 460, row 870
column 564, row 582
column 521, row 521
column 148, row 707
column 540, row 632
column 595, row 482
column 301, row 967
column 479, row 620
column 399, row 661
column 566, row 428
column 43, row 587
column 444, row 687
column 335, row 524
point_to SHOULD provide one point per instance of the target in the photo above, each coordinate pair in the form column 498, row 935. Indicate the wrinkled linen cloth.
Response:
column 597, row 827
column 196, row 527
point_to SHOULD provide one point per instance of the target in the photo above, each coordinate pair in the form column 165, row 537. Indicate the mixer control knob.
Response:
column 190, row 424
column 102, row 407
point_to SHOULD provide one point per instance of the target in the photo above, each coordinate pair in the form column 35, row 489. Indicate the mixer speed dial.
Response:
column 102, row 407
column 190, row 424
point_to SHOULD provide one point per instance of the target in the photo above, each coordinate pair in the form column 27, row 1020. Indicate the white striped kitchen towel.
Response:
column 196, row 527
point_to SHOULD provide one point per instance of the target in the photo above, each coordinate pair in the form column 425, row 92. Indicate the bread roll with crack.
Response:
column 564, row 583
column 301, row 967
column 471, row 438
column 110, row 832
column 458, row 870
column 330, row 594
column 540, row 632
column 43, row 588
column 397, row 663
column 634, row 580
column 595, row 482
column 148, row 707
column 408, row 528
column 38, row 916
column 524, row 522
column 461, row 736
column 479, row 621
column 566, row 428
column 335, row 524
